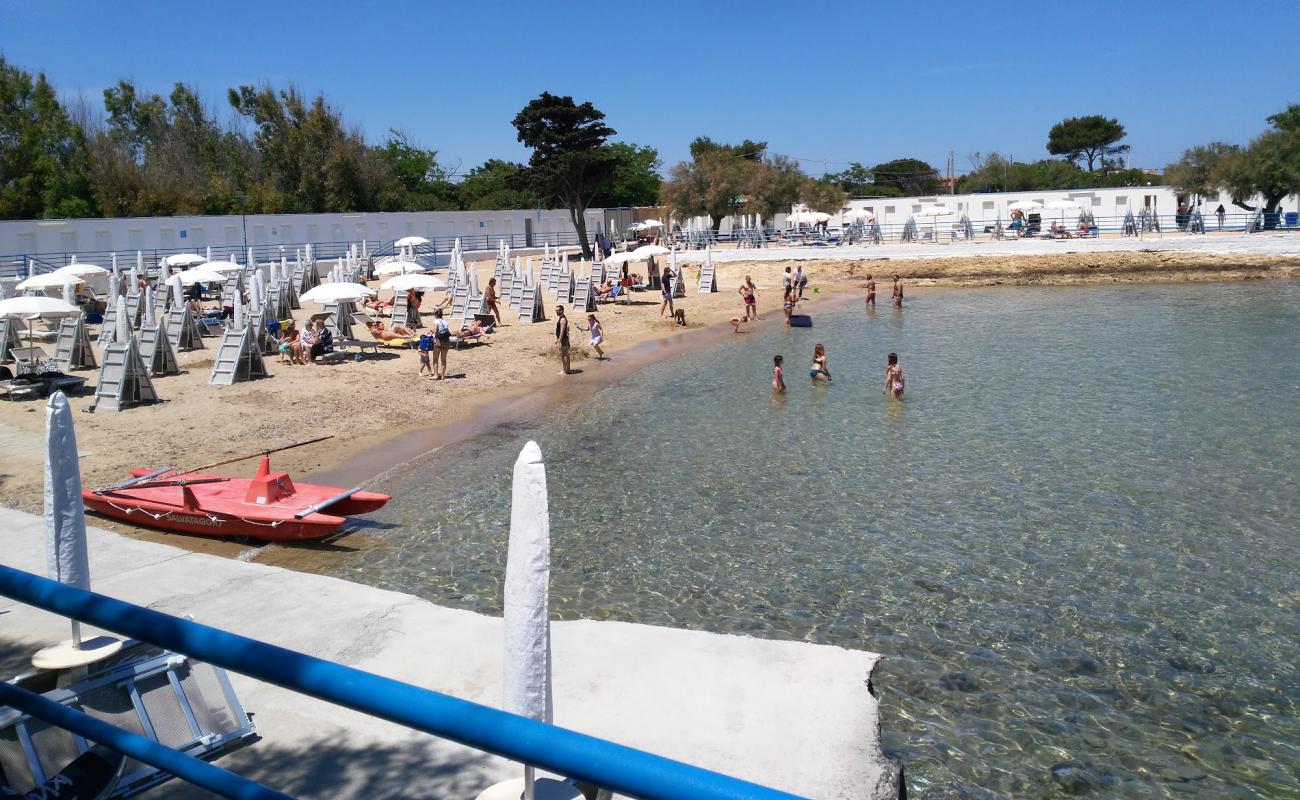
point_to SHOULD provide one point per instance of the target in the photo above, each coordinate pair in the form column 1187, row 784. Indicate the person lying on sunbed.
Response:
column 604, row 291
column 376, row 305
column 383, row 334
column 473, row 328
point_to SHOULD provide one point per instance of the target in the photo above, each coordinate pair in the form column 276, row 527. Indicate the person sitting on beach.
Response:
column 324, row 341
column 399, row 332
column 894, row 383
column 287, row 345
column 1084, row 228
column 376, row 305
column 604, row 291
column 819, row 369
column 1058, row 231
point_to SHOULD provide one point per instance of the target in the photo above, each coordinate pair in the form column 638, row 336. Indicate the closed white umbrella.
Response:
column 410, row 241
column 402, row 283
column 340, row 292
column 527, row 655
column 66, row 557
column 399, row 268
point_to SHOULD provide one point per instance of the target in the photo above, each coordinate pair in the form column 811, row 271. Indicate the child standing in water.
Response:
column 819, row 369
column 893, row 378
column 778, row 376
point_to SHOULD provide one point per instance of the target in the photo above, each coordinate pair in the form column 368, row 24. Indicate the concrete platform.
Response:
column 794, row 716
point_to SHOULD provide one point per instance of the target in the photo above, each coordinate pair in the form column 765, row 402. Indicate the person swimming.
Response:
column 778, row 375
column 819, row 369
column 894, row 382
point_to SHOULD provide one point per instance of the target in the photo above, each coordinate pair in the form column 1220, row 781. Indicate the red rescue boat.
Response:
column 268, row 506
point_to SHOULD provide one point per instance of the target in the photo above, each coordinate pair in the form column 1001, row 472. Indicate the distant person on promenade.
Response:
column 819, row 370
column 894, row 382
column 562, row 338
column 1220, row 213
column 778, row 375
column 898, row 292
column 871, row 291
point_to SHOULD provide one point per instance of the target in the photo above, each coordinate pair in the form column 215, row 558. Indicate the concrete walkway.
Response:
column 1262, row 244
column 794, row 716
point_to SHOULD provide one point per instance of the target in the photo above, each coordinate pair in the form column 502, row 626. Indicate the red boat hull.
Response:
column 262, row 507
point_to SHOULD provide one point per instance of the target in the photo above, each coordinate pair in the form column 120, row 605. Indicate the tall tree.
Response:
column 773, row 185
column 910, row 176
column 496, row 184
column 419, row 183
column 570, row 162
column 715, row 181
column 823, row 195
column 1198, row 171
column 44, row 167
column 1270, row 167
column 1090, row 138
column 636, row 177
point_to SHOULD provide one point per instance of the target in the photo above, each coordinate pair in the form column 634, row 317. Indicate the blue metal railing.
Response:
column 624, row 770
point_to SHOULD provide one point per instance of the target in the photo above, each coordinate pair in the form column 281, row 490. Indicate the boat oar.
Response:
column 136, row 481
column 169, row 482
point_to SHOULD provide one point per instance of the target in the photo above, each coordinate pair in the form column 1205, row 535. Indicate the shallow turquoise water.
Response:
column 1075, row 541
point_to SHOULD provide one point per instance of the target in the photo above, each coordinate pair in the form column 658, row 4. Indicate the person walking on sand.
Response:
column 894, row 382
column 666, row 292
column 597, row 332
column 778, row 375
column 898, row 292
column 490, row 298
column 441, row 344
column 562, row 338
column 871, row 291
column 425, row 350
column 800, row 281
column 819, row 369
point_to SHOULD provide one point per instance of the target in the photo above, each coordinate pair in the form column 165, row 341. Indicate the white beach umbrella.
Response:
column 47, row 280
column 224, row 266
column 1062, row 205
column 178, row 291
column 642, row 253
column 200, row 275
column 402, row 283
column 619, row 258
column 399, row 268
column 36, row 307
column 183, row 260
column 934, row 211
column 1024, row 205
column 80, row 270
column 854, row 213
column 340, row 292
column 410, row 241
column 651, row 223
column 526, row 658
column 66, row 558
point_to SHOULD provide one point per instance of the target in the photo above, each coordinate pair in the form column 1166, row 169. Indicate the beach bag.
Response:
column 426, row 342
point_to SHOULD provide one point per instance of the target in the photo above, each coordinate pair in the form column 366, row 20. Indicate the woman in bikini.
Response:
column 819, row 370
column 894, row 382
column 788, row 305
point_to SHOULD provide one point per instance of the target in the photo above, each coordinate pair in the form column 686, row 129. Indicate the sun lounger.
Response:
column 365, row 321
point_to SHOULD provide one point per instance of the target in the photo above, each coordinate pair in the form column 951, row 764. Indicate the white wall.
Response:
column 226, row 233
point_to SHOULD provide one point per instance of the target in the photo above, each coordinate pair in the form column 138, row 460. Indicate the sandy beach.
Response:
column 382, row 413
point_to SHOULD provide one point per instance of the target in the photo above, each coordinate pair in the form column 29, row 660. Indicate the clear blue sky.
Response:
column 864, row 82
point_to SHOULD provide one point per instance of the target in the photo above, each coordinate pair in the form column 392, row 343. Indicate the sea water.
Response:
column 1074, row 541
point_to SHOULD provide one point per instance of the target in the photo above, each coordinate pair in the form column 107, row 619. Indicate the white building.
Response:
column 478, row 230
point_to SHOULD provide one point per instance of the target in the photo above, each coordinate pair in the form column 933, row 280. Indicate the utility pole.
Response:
column 243, row 217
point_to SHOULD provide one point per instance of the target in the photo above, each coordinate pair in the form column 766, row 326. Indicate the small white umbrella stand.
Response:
column 526, row 657
column 399, row 268
column 183, row 260
column 338, row 292
column 411, row 241
column 66, row 558
column 934, row 212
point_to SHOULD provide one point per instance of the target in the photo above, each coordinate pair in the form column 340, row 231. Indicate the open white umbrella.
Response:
column 224, row 266
column 339, row 292
column 1024, row 205
column 855, row 213
column 48, row 280
column 934, row 212
column 649, row 250
column 620, row 258
column 80, row 270
column 1062, row 205
column 410, row 241
column 417, row 281
column 36, row 307
column 183, row 260
column 399, row 268
column 200, row 275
